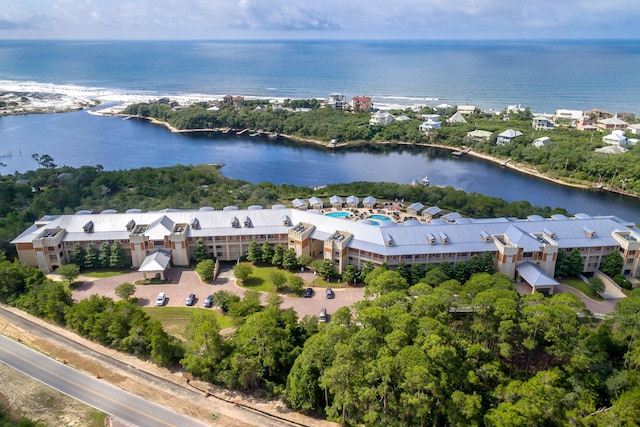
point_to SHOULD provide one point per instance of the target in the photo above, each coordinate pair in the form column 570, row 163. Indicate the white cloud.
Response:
column 318, row 19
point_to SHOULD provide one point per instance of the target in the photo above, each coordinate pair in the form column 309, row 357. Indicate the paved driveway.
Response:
column 183, row 282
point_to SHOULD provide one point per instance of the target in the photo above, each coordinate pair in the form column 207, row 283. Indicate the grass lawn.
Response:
column 582, row 287
column 260, row 279
column 174, row 320
column 104, row 273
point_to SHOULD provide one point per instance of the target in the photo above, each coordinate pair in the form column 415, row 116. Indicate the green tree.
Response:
column 266, row 253
column 91, row 257
column 326, row 269
column 104, row 256
column 69, row 272
column 349, row 274
column 290, row 260
column 125, row 290
column 117, row 258
column 255, row 253
column 295, row 283
column 206, row 269
column 382, row 281
column 205, row 348
column 576, row 264
column 200, row 252
column 612, row 264
column 278, row 255
column 77, row 255
column 596, row 285
column 242, row 271
column 278, row 278
column 225, row 300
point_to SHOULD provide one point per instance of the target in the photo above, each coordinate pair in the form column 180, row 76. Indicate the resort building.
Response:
column 352, row 202
column 568, row 117
column 316, row 203
column 514, row 244
column 369, row 202
column 335, row 202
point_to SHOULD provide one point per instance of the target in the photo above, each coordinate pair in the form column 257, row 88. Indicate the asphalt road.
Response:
column 89, row 390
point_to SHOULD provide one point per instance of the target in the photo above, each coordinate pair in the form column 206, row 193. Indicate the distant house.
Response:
column 429, row 125
column 541, row 142
column 381, row 118
column 634, row 129
column 569, row 118
column 337, row 101
column 369, row 202
column 611, row 124
column 478, row 135
column 507, row 136
column 626, row 116
column 402, row 118
column 237, row 101
column 434, row 117
column 352, row 202
column 542, row 123
column 617, row 137
column 227, row 100
column 457, row 118
column 360, row 104
column 336, row 202
column 466, row 109
column 597, row 114
column 316, row 203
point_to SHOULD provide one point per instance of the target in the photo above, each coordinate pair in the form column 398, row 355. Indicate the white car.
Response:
column 161, row 299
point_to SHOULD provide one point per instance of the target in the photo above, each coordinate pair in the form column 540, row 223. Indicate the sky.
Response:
column 319, row 19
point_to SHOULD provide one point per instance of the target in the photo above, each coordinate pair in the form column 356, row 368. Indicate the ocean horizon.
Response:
column 543, row 75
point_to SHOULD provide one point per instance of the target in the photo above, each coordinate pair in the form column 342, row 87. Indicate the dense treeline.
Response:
column 422, row 349
column 570, row 156
column 25, row 197
column 121, row 325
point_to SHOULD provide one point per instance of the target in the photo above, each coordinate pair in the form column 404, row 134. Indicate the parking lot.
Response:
column 183, row 282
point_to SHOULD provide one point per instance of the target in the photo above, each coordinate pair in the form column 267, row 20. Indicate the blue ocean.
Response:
column 543, row 75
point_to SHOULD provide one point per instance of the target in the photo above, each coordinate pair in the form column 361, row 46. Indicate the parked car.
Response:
column 322, row 317
column 308, row 293
column 330, row 293
column 190, row 299
column 161, row 299
column 208, row 301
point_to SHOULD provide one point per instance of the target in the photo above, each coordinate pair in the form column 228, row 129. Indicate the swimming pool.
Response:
column 338, row 214
column 379, row 217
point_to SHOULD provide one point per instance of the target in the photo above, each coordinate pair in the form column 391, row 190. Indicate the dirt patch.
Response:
column 29, row 398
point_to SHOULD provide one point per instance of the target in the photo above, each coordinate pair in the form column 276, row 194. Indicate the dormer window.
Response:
column 247, row 222
column 88, row 227
column 548, row 232
column 131, row 225
column 589, row 232
column 286, row 221
column 485, row 236
column 235, row 223
column 195, row 224
column 444, row 238
column 431, row 239
column 389, row 240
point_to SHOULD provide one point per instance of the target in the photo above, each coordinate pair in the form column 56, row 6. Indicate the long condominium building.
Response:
column 534, row 241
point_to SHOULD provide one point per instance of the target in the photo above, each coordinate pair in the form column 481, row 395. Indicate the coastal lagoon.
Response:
column 79, row 138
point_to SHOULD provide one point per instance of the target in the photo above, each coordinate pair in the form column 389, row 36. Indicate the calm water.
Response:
column 78, row 138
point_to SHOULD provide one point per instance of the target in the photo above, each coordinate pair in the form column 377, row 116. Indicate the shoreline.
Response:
column 478, row 155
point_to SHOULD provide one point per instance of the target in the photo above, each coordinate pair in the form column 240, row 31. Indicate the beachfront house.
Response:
column 478, row 135
column 507, row 136
column 457, row 118
column 541, row 142
column 564, row 117
column 466, row 109
column 360, row 104
column 381, row 118
column 634, row 129
column 617, row 137
column 542, row 123
column 336, row 202
column 597, row 114
column 337, row 101
column 369, row 202
column 316, row 203
column 611, row 124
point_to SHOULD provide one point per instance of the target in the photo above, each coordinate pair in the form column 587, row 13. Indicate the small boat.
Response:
column 254, row 134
